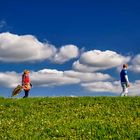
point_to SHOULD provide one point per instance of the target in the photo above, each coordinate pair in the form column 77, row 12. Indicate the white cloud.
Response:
column 45, row 77
column 65, row 53
column 83, row 68
column 135, row 64
column 112, row 87
column 88, row 77
column 99, row 60
column 48, row 77
column 9, row 79
column 26, row 48
column 15, row 48
column 135, row 88
column 52, row 77
column 93, row 82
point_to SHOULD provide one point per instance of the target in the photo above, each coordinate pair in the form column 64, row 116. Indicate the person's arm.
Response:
column 127, row 80
column 31, row 85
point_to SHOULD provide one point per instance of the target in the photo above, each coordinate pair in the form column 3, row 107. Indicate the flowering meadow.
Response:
column 70, row 118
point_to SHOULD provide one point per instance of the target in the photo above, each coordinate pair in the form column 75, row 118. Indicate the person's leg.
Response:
column 123, row 89
column 26, row 93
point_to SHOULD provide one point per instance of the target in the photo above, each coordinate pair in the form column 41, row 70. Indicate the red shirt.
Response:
column 25, row 79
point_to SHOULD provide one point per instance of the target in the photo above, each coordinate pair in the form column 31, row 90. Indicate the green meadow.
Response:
column 70, row 118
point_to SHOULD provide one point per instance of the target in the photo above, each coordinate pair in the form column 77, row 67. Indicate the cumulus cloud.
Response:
column 27, row 48
column 52, row 77
column 9, row 79
column 99, row 60
column 112, row 87
column 93, row 82
column 83, row 68
column 135, row 67
column 101, row 86
column 15, row 48
column 135, row 88
column 48, row 77
column 87, row 77
column 45, row 77
column 65, row 53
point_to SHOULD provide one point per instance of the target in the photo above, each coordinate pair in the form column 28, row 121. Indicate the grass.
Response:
column 67, row 118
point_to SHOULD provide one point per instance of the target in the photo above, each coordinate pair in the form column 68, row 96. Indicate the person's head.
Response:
column 125, row 66
column 26, row 71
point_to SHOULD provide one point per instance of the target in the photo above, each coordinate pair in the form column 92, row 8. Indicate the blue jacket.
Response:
column 123, row 73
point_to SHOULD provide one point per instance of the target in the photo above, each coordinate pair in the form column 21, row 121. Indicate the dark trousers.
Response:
column 26, row 93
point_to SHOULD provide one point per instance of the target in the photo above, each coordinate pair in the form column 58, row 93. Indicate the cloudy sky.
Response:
column 72, row 48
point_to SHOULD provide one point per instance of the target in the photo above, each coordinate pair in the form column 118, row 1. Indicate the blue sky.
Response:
column 72, row 48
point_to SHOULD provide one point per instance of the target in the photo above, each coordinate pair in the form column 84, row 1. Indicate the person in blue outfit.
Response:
column 124, row 80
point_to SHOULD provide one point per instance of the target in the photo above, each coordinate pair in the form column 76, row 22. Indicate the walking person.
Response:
column 26, row 82
column 124, row 80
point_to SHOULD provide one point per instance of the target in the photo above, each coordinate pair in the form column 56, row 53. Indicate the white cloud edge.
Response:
column 96, row 60
column 135, row 64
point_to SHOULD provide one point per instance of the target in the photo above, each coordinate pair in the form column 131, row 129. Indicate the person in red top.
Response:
column 26, row 84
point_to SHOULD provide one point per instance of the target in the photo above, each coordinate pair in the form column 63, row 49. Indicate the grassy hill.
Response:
column 67, row 118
